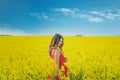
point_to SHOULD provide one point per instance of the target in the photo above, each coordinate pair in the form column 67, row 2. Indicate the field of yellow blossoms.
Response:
column 89, row 58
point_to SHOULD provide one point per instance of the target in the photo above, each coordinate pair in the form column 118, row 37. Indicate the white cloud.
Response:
column 74, row 12
column 95, row 19
column 107, row 10
column 91, row 18
column 110, row 16
column 98, row 13
column 39, row 15
column 117, row 15
column 6, row 29
column 107, row 14
column 113, row 16
column 65, row 11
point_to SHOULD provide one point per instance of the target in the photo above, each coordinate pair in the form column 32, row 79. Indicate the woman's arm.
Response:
column 57, row 58
column 65, row 59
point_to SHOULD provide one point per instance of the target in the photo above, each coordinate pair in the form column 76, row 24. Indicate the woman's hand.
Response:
column 65, row 59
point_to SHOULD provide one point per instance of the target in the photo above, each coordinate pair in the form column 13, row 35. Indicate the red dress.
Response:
column 61, row 63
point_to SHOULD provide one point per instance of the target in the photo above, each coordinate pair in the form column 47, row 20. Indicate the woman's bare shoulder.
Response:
column 56, row 51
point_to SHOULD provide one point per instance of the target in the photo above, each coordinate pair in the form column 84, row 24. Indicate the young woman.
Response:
column 56, row 53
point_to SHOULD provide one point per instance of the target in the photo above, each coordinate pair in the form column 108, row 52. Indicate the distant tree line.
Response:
column 78, row 35
column 5, row 35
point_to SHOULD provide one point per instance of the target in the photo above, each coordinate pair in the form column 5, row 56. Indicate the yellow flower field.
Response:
column 89, row 58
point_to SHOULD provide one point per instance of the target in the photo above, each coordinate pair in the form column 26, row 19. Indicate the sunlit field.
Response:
column 89, row 58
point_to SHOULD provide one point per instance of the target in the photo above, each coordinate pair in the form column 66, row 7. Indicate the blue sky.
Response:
column 67, row 17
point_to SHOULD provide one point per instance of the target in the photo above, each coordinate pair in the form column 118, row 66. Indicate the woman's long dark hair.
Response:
column 54, row 42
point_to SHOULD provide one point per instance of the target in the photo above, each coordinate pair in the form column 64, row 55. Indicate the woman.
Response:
column 56, row 53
